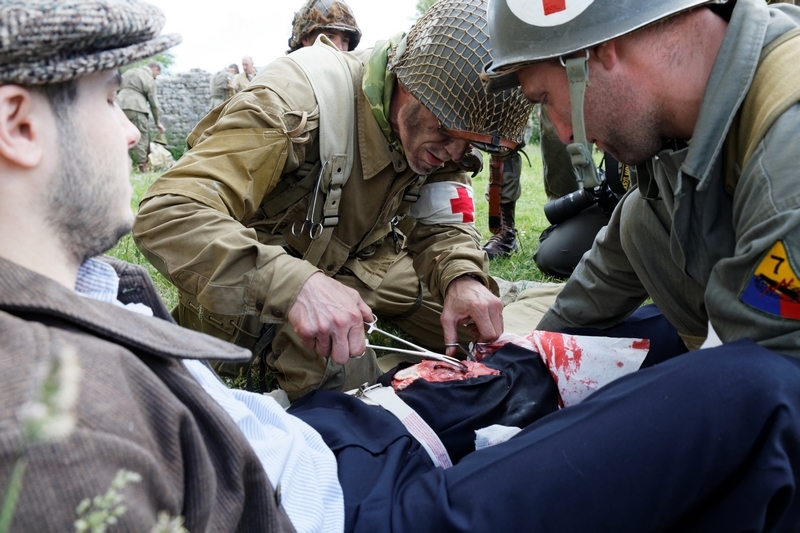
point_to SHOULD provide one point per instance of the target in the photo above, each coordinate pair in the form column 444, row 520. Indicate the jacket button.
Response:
column 277, row 313
column 329, row 267
column 260, row 306
column 278, row 495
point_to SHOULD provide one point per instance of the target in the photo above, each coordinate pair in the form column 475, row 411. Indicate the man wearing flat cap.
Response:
column 123, row 401
column 91, row 391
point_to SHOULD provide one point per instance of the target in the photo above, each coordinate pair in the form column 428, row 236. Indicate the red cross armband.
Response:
column 445, row 202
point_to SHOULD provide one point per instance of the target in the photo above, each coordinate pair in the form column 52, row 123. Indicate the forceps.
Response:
column 469, row 349
column 314, row 228
column 417, row 350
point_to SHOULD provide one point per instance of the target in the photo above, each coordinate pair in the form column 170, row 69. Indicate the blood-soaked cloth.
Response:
column 537, row 374
column 579, row 364
column 522, row 392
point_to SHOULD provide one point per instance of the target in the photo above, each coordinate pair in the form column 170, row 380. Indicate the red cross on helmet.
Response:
column 527, row 31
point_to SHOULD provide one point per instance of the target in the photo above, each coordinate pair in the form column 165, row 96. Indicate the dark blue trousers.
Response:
column 704, row 442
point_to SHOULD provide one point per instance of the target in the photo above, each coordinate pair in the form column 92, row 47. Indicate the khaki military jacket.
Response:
column 138, row 92
column 242, row 80
column 138, row 409
column 741, row 247
column 206, row 223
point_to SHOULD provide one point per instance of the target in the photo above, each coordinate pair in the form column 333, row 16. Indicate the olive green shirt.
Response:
column 741, row 250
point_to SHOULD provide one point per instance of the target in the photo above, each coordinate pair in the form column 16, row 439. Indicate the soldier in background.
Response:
column 331, row 18
column 504, row 242
column 241, row 80
column 222, row 86
column 137, row 98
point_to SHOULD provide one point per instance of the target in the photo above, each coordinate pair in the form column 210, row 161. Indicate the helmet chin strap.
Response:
column 581, row 149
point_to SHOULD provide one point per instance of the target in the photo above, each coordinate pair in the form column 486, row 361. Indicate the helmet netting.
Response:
column 444, row 56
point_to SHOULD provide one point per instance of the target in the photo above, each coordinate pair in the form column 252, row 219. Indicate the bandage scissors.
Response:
column 314, row 228
column 417, row 350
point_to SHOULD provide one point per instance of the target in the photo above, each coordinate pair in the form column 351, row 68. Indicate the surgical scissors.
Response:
column 314, row 228
column 418, row 350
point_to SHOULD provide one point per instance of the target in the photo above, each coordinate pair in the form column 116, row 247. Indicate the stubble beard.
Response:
column 82, row 202
column 632, row 134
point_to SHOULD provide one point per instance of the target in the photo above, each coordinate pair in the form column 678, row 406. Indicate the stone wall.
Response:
column 184, row 100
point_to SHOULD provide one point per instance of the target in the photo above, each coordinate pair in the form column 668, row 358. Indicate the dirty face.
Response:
column 426, row 145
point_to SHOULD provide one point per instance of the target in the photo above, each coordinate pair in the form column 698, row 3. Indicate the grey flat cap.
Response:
column 49, row 41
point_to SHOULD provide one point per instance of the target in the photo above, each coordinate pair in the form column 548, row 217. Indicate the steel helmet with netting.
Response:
column 528, row 31
column 440, row 63
column 324, row 15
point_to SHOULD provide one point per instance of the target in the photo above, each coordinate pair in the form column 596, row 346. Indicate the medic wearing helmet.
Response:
column 277, row 250
column 702, row 97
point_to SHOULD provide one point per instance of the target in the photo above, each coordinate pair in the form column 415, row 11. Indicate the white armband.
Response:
column 446, row 202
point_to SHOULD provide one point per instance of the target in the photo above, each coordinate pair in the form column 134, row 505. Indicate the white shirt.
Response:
column 293, row 454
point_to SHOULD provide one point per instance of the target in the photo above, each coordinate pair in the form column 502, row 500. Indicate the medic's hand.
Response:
column 329, row 318
column 468, row 301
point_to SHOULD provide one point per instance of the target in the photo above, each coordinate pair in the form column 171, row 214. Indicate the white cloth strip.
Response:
column 419, row 429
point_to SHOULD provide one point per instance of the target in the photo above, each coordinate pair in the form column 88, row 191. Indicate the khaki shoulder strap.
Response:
column 327, row 72
column 775, row 88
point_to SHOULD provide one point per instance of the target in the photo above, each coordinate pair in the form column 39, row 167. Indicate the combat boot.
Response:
column 504, row 242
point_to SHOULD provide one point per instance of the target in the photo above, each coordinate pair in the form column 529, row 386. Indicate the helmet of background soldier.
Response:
column 323, row 15
column 440, row 63
column 525, row 32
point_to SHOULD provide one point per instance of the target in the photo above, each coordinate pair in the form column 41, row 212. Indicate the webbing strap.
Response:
column 419, row 429
column 580, row 150
column 495, row 190
column 329, row 76
column 775, row 88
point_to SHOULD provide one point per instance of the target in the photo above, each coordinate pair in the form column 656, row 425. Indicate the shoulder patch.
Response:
column 545, row 13
column 774, row 287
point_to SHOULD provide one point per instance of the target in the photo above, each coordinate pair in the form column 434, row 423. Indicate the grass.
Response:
column 529, row 219
column 127, row 250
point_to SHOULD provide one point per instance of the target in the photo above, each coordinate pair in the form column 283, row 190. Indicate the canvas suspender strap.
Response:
column 775, row 88
column 419, row 429
column 329, row 76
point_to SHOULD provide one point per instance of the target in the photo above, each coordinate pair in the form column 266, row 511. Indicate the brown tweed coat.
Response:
column 138, row 409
